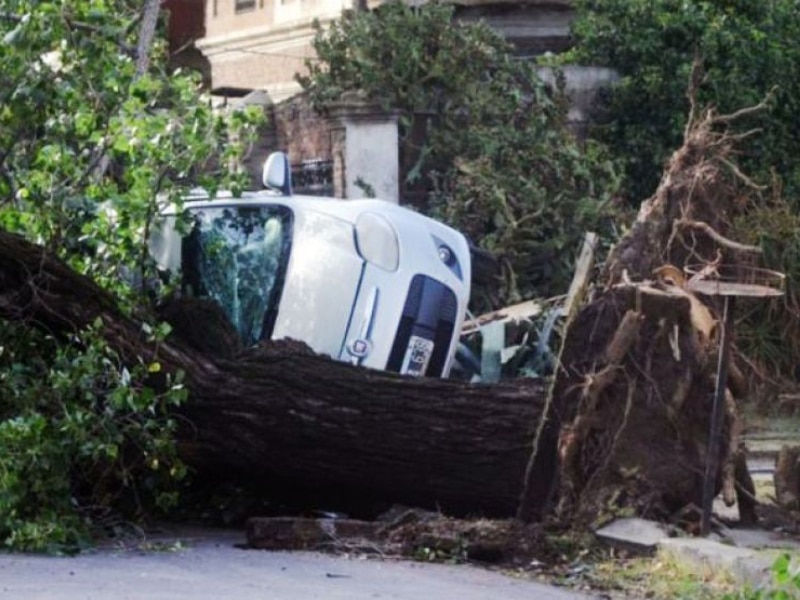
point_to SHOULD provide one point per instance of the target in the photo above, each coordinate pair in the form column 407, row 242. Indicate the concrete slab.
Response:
column 638, row 536
column 757, row 539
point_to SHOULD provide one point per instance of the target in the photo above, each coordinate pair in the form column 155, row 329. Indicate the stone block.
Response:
column 634, row 535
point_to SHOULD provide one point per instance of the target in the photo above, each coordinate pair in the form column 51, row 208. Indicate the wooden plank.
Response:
column 583, row 270
column 523, row 311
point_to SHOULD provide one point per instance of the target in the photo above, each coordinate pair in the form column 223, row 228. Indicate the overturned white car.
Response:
column 364, row 281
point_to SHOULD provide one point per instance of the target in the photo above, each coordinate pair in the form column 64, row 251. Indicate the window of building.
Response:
column 243, row 5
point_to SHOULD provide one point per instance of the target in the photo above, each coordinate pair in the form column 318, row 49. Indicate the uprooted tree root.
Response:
column 635, row 388
column 636, row 394
column 686, row 220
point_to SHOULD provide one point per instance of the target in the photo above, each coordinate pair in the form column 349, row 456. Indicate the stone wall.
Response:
column 300, row 131
column 352, row 144
column 587, row 89
column 355, row 141
column 292, row 127
column 367, row 150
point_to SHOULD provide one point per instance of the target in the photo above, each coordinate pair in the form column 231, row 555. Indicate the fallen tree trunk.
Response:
column 282, row 417
column 307, row 421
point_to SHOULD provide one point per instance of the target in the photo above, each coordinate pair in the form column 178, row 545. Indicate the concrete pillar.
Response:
column 365, row 150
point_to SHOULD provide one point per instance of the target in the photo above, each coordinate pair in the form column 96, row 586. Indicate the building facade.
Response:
column 262, row 44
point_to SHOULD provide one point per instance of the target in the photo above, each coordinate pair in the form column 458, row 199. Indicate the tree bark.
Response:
column 282, row 417
column 305, row 420
column 147, row 33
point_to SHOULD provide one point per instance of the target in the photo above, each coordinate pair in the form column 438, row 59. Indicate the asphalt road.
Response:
column 209, row 566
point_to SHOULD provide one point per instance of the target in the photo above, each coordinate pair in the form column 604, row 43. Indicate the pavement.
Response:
column 211, row 565
column 745, row 554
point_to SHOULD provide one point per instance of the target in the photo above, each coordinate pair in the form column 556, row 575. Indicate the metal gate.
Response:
column 313, row 177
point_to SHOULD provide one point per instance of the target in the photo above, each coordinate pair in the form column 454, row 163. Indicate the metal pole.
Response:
column 712, row 457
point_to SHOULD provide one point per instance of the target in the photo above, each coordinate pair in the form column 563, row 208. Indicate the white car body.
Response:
column 363, row 281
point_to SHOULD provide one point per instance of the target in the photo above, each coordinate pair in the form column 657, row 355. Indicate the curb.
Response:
column 747, row 566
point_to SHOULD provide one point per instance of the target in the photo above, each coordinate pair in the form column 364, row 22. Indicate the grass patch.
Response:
column 660, row 578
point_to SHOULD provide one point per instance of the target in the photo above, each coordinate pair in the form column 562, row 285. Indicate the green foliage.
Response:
column 785, row 583
column 80, row 432
column 456, row 554
column 770, row 330
column 89, row 149
column 530, row 201
column 410, row 58
column 747, row 49
column 485, row 136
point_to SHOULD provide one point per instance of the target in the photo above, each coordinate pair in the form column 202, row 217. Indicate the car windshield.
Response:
column 237, row 256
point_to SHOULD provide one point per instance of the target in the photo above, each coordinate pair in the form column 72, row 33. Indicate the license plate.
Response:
column 418, row 355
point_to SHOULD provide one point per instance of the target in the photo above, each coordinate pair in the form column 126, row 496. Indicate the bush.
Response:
column 91, row 148
column 82, row 435
column 748, row 49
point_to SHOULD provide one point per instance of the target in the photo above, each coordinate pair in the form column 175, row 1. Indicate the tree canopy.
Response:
column 748, row 50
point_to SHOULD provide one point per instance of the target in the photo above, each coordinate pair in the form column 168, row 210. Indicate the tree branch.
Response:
column 716, row 236
column 744, row 112
column 147, row 33
column 749, row 182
